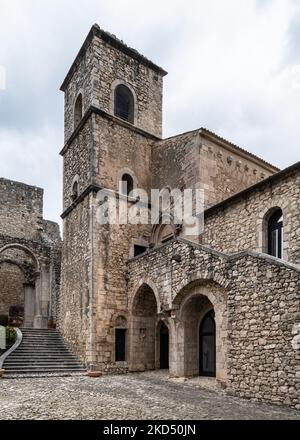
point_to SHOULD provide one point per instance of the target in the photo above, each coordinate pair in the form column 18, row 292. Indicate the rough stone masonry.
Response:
column 139, row 297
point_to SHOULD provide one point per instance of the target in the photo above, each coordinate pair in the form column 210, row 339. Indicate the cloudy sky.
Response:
column 234, row 67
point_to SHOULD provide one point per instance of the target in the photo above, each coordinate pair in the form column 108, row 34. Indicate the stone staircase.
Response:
column 40, row 352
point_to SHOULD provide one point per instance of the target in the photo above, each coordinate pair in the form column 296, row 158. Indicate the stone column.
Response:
column 42, row 298
column 29, row 307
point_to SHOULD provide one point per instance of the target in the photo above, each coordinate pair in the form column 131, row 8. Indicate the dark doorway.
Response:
column 164, row 346
column 207, row 345
column 120, row 345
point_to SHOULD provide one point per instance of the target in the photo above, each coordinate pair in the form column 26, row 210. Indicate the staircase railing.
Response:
column 13, row 348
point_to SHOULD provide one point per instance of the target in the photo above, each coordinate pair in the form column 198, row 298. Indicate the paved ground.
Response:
column 134, row 396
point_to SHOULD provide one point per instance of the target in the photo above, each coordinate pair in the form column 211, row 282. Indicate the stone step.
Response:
column 42, row 351
column 42, row 365
column 45, row 370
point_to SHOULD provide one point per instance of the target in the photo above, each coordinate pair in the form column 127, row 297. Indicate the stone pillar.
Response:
column 42, row 298
column 176, row 346
column 29, row 307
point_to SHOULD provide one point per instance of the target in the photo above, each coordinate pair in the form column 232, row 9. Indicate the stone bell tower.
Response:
column 113, row 116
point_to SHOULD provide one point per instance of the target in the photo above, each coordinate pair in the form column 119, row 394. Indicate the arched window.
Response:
column 124, row 103
column 127, row 184
column 75, row 190
column 78, row 110
column 275, row 234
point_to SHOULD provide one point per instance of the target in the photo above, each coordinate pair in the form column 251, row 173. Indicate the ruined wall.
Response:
column 21, row 209
column 240, row 225
column 29, row 251
column 11, row 287
column 257, row 349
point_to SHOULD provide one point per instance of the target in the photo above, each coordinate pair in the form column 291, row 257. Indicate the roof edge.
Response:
column 268, row 181
column 113, row 41
column 232, row 147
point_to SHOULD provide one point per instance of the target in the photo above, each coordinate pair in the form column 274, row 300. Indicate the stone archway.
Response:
column 143, row 329
column 193, row 303
column 35, row 280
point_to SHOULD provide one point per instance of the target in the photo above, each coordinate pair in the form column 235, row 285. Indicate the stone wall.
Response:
column 12, row 280
column 21, row 209
column 239, row 224
column 75, row 304
column 100, row 67
column 256, row 303
column 200, row 159
column 29, row 254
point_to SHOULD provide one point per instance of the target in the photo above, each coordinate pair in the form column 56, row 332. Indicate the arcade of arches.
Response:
column 185, row 340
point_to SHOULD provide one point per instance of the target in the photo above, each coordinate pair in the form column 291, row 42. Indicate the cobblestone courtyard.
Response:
column 134, row 396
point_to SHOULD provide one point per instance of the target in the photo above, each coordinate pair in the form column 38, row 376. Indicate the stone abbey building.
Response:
column 141, row 297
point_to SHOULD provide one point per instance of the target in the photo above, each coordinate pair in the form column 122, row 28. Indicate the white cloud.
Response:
column 233, row 67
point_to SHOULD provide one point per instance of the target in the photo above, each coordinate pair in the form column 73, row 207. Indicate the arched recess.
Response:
column 144, row 309
column 124, row 172
column 23, row 248
column 193, row 302
column 78, row 110
column 19, row 269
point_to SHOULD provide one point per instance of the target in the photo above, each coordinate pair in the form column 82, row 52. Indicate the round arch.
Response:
column 193, row 302
column 114, row 85
column 22, row 248
column 147, row 282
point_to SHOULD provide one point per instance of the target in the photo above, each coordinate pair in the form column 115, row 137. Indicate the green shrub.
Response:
column 11, row 336
column 4, row 320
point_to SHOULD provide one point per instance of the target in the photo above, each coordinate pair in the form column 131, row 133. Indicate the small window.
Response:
column 127, row 184
column 75, row 191
column 139, row 250
column 124, row 103
column 78, row 111
column 120, row 345
column 275, row 234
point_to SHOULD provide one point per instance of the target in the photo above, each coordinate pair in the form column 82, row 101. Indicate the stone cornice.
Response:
column 113, row 41
column 95, row 110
